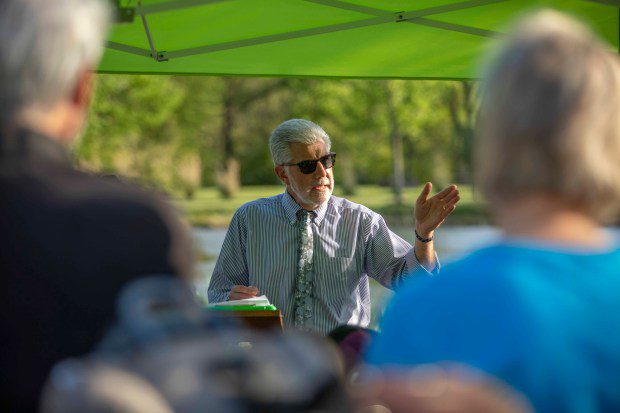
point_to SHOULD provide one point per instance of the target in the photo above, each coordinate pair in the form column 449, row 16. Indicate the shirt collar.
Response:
column 291, row 207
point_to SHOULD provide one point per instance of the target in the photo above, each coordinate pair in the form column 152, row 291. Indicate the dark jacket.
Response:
column 69, row 241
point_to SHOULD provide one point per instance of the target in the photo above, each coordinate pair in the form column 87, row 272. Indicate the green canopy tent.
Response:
column 422, row 39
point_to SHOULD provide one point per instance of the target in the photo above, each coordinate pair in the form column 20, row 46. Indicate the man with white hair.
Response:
column 70, row 240
column 310, row 252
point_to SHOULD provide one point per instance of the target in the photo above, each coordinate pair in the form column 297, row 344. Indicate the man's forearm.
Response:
column 217, row 296
column 425, row 251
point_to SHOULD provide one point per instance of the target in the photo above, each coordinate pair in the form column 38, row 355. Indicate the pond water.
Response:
column 451, row 242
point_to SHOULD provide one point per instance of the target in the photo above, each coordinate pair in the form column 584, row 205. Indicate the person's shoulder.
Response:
column 259, row 208
column 60, row 190
column 491, row 270
column 261, row 204
column 80, row 204
column 517, row 272
column 609, row 261
column 121, row 191
column 115, row 199
column 519, row 261
column 469, row 291
column 487, row 259
column 69, row 188
column 457, row 315
column 343, row 204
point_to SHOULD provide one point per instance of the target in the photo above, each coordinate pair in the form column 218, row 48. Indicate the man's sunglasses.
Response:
column 309, row 166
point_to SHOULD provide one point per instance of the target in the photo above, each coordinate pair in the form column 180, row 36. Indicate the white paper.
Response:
column 260, row 301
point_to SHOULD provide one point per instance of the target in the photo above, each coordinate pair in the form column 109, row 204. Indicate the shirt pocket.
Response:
column 333, row 248
column 338, row 269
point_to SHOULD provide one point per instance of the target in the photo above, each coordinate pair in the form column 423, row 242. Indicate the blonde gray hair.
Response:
column 294, row 130
column 550, row 117
column 45, row 44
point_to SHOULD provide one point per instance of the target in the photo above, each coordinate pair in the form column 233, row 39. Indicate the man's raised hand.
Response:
column 431, row 212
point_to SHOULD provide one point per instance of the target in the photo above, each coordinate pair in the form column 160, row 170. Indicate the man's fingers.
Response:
column 243, row 291
column 446, row 191
column 240, row 296
column 451, row 196
column 424, row 194
column 447, row 210
column 449, row 207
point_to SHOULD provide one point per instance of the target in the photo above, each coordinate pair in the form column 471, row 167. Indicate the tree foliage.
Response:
column 182, row 132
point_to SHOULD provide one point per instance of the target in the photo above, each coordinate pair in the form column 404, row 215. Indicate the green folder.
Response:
column 244, row 308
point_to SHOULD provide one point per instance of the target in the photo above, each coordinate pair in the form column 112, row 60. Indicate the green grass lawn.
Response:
column 208, row 209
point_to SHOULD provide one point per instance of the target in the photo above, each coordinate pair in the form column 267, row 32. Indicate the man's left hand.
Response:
column 431, row 212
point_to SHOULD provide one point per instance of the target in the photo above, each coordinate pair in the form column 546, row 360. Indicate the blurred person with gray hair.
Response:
column 310, row 252
column 70, row 240
column 540, row 310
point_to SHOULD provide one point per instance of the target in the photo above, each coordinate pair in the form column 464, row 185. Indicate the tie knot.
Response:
column 303, row 215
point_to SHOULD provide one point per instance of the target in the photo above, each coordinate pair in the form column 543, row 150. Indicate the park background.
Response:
column 203, row 142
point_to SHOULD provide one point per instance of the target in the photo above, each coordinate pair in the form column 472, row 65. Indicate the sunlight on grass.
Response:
column 209, row 209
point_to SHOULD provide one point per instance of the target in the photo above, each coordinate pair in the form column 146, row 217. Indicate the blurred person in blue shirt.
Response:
column 539, row 310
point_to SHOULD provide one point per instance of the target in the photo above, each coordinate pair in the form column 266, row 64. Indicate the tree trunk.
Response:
column 227, row 175
column 396, row 139
column 237, row 96
column 462, row 114
column 348, row 177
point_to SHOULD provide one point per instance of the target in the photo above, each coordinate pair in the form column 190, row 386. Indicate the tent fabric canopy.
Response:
column 421, row 39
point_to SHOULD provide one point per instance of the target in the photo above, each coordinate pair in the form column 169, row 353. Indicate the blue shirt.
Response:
column 545, row 321
column 351, row 243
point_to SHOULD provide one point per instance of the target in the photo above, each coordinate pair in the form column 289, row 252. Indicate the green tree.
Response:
column 134, row 129
column 238, row 95
column 179, row 132
column 463, row 103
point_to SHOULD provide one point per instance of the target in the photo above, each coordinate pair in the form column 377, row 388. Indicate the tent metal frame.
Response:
column 380, row 17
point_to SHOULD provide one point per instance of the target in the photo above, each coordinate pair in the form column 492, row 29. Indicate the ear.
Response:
column 281, row 173
column 83, row 89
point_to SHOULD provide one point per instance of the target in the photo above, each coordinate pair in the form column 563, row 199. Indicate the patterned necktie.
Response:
column 305, row 271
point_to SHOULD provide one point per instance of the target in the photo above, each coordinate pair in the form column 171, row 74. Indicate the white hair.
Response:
column 550, row 117
column 294, row 130
column 44, row 45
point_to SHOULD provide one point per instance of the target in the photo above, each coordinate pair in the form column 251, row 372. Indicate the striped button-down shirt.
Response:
column 351, row 243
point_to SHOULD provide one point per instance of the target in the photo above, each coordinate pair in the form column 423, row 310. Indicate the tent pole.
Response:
column 421, row 20
column 176, row 5
column 157, row 56
column 127, row 49
column 382, row 18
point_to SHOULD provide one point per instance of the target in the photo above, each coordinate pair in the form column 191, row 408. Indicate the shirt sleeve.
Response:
column 390, row 259
column 231, row 267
